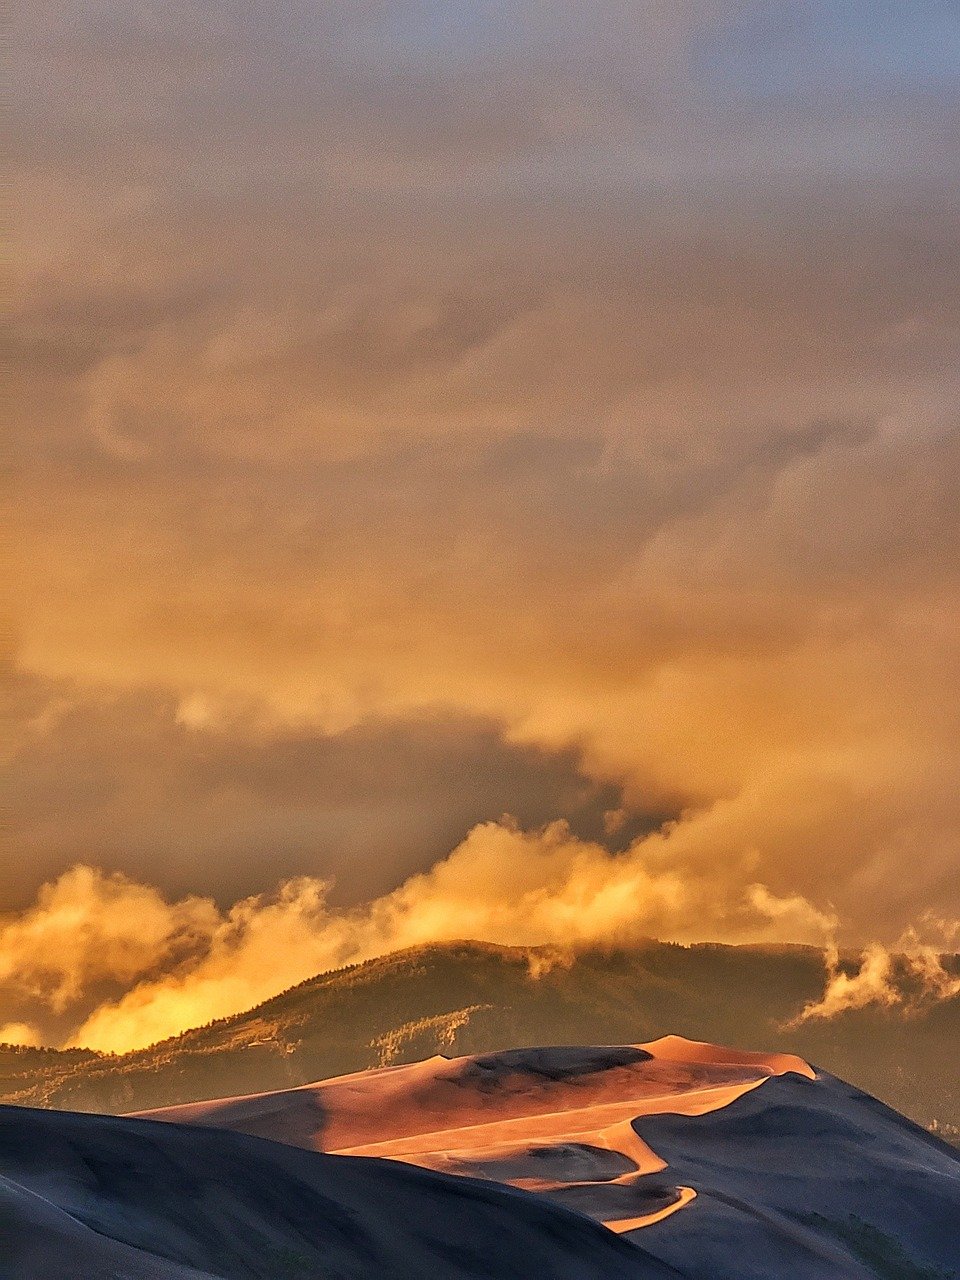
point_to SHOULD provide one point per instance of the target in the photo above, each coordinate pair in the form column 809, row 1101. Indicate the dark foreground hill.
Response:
column 89, row 1197
column 464, row 998
column 811, row 1170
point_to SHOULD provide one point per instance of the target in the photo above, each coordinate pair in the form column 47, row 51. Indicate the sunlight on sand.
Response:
column 556, row 1121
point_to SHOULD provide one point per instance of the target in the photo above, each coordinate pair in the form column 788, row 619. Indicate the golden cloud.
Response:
column 184, row 963
column 337, row 400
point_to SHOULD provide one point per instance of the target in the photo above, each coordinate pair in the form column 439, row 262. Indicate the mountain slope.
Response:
column 474, row 998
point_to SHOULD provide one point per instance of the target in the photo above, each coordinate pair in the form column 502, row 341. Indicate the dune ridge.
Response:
column 516, row 1117
column 87, row 1197
column 720, row 1162
column 690, row 1159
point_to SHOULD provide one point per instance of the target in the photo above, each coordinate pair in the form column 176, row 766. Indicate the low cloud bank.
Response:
column 173, row 965
column 909, row 976
column 88, row 926
column 20, row 1034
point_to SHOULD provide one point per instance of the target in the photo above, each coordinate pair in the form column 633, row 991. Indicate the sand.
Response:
column 719, row 1161
column 87, row 1197
column 557, row 1121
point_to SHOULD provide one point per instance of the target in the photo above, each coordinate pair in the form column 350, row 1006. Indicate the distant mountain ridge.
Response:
column 469, row 997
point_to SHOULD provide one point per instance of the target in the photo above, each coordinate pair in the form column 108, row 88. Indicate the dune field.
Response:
column 719, row 1162
column 673, row 1158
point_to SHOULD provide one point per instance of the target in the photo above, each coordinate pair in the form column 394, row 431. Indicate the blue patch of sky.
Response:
column 802, row 48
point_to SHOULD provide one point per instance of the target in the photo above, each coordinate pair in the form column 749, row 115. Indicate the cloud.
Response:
column 910, row 976
column 20, row 1034
column 184, row 963
column 88, row 926
column 193, row 795
column 585, row 375
column 871, row 984
column 258, row 947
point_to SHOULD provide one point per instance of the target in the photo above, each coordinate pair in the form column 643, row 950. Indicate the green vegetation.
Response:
column 289, row 1264
column 881, row 1252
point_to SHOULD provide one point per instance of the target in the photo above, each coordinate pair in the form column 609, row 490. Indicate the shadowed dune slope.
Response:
column 722, row 1163
column 85, row 1197
column 39, row 1239
column 806, row 1179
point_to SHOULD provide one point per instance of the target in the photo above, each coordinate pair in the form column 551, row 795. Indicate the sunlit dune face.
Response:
column 557, row 1121
column 687, row 1053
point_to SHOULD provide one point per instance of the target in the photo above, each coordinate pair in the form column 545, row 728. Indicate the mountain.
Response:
column 691, row 1160
column 470, row 998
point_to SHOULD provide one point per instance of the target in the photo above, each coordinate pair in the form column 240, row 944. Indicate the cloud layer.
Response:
column 163, row 790
column 426, row 412
column 909, row 977
column 180, row 964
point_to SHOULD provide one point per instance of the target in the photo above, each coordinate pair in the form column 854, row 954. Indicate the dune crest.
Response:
column 679, row 1049
column 559, row 1121
column 691, row 1160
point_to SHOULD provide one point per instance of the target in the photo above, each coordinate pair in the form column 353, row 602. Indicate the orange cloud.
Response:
column 88, row 926
column 602, row 406
column 184, row 963
column 20, row 1034
column 909, row 975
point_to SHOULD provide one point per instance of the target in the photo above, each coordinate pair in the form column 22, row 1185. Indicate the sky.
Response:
column 478, row 470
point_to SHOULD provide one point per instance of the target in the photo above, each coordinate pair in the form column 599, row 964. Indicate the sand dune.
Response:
column 386, row 1105
column 692, row 1161
column 559, row 1121
column 680, row 1050
column 809, row 1179
column 721, row 1162
column 37, row 1238
column 86, row 1197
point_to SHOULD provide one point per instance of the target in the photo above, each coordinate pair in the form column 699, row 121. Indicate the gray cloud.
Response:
column 139, row 785
column 586, row 374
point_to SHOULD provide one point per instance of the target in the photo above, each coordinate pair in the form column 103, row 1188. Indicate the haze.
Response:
column 479, row 471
